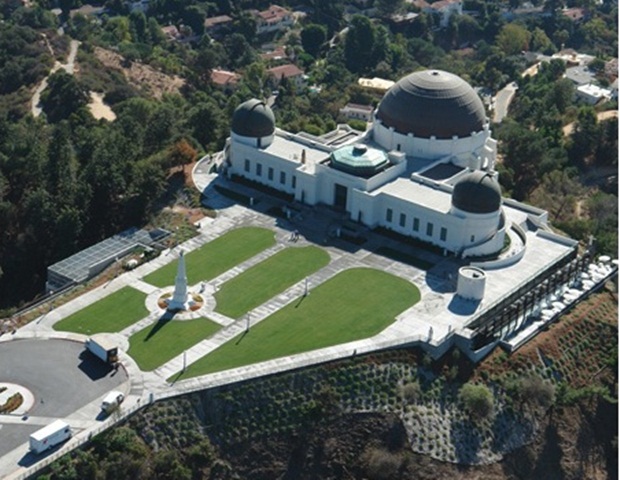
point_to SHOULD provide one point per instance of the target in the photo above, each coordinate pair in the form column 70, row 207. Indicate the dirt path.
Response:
column 568, row 129
column 68, row 67
column 99, row 109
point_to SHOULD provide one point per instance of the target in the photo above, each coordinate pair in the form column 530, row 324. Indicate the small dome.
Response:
column 253, row 119
column 432, row 103
column 477, row 192
column 359, row 160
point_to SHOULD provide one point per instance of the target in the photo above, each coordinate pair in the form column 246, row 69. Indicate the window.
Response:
column 259, row 169
column 443, row 233
column 429, row 229
column 402, row 220
column 294, row 181
column 282, row 178
column 398, row 147
column 270, row 173
column 473, row 237
column 247, row 165
column 416, row 224
column 388, row 215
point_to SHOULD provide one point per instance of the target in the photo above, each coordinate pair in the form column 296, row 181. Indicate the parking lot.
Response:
column 61, row 375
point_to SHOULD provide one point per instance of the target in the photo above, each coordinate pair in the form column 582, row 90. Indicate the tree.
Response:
column 585, row 136
column 359, row 44
column 558, row 193
column 63, row 96
column 313, row 37
column 387, row 8
column 181, row 154
column 512, row 39
column 541, row 42
column 478, row 400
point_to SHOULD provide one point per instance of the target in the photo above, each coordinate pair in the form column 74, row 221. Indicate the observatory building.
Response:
column 425, row 169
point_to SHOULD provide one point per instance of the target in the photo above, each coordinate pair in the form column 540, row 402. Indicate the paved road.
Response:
column 502, row 102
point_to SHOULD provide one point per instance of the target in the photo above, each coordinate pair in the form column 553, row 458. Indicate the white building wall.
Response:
column 255, row 164
column 433, row 148
column 462, row 230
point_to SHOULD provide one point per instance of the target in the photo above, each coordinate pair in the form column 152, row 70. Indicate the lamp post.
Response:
column 247, row 324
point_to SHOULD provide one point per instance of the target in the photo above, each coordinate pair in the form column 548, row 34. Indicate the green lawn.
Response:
column 217, row 256
column 164, row 340
column 110, row 314
column 275, row 274
column 353, row 305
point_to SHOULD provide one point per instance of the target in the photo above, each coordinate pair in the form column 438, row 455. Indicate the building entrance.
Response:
column 340, row 196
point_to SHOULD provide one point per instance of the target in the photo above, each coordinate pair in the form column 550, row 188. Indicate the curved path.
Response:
column 68, row 67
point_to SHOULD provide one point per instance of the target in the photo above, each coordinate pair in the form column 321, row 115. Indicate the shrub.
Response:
column 478, row 400
column 535, row 389
column 411, row 392
column 381, row 464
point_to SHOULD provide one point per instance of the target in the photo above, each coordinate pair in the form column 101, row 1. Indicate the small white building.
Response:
column 376, row 83
column 592, row 94
column 355, row 111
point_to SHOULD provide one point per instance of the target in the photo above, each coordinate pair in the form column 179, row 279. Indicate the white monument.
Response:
column 180, row 300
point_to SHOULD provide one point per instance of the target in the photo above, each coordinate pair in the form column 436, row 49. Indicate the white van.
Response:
column 50, row 436
column 111, row 401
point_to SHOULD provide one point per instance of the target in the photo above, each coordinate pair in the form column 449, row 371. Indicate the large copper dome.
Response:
column 432, row 103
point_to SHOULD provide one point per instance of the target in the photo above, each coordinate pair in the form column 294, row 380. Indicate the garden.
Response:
column 258, row 284
column 110, row 314
column 217, row 256
column 353, row 305
column 155, row 345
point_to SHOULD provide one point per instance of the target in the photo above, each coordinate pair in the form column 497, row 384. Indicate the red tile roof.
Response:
column 286, row 71
column 223, row 78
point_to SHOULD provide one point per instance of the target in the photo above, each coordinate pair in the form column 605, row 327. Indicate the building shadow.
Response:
column 463, row 306
column 93, row 366
column 161, row 322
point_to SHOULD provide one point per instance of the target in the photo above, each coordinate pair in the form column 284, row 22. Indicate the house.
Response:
column 592, row 94
column 400, row 20
column 88, row 11
column 580, row 75
column 171, row 33
column 577, row 15
column 355, row 111
column 225, row 80
column 377, row 84
column 217, row 26
column 274, row 19
column 291, row 72
column 278, row 53
column 444, row 9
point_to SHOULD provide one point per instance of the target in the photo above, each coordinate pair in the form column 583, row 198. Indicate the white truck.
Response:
column 50, row 436
column 112, row 401
column 103, row 349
